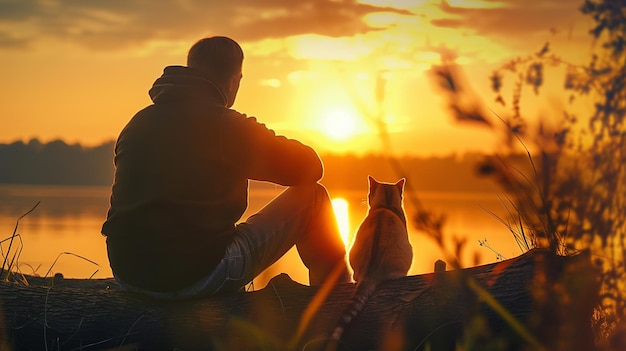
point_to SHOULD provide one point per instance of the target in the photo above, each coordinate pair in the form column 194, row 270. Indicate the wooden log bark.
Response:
column 439, row 310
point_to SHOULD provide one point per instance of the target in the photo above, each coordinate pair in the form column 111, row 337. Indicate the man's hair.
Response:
column 218, row 57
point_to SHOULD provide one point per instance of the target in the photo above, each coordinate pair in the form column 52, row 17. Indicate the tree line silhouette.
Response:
column 60, row 163
column 56, row 162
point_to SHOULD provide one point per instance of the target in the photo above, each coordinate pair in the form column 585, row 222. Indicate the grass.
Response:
column 10, row 259
column 8, row 265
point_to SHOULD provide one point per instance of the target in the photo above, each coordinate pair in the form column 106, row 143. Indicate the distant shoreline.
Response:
column 59, row 163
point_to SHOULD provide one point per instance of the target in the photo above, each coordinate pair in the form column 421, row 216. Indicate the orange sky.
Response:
column 78, row 70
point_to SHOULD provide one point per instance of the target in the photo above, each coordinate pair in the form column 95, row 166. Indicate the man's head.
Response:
column 221, row 59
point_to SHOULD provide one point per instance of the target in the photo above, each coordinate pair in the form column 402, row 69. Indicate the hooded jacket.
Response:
column 182, row 167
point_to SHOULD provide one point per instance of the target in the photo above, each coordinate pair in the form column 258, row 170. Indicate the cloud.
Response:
column 117, row 24
column 8, row 40
column 16, row 10
column 271, row 82
column 511, row 18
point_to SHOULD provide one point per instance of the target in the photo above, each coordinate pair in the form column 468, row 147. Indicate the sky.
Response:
column 79, row 70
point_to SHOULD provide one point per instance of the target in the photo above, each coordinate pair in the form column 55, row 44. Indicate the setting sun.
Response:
column 342, row 124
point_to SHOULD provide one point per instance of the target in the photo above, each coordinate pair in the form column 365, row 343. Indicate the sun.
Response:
column 341, row 124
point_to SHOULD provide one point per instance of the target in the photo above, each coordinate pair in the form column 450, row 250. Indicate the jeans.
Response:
column 302, row 216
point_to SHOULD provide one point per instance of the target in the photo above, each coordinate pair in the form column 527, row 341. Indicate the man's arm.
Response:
column 278, row 159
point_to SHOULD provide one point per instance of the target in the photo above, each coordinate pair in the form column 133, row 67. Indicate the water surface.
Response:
column 66, row 224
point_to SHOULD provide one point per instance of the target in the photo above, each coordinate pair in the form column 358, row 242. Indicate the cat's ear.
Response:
column 371, row 180
column 400, row 183
column 372, row 184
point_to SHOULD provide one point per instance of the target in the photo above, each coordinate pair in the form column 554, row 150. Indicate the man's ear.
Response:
column 233, row 88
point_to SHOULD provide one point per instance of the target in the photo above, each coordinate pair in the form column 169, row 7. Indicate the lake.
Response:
column 62, row 234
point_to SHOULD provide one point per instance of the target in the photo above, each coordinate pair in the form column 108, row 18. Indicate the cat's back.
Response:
column 383, row 247
column 381, row 220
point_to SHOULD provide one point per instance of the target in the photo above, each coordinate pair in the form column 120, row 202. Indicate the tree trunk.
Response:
column 550, row 297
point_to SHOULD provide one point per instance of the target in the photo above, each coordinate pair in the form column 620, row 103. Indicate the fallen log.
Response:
column 547, row 302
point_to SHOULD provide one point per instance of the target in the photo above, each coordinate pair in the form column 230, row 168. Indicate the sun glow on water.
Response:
column 340, row 206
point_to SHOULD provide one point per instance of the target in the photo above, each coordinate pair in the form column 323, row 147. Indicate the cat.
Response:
column 381, row 250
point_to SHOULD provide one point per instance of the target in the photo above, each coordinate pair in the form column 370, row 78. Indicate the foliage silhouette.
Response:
column 570, row 194
column 56, row 162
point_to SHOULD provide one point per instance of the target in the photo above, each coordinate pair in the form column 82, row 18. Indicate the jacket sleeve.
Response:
column 277, row 159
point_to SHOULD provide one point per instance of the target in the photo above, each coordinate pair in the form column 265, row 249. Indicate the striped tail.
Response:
column 363, row 291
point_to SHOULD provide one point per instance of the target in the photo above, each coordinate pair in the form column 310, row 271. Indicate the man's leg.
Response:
column 301, row 216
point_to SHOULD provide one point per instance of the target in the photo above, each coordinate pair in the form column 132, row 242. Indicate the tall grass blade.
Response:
column 17, row 223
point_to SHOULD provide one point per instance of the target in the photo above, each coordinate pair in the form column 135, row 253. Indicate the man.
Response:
column 182, row 167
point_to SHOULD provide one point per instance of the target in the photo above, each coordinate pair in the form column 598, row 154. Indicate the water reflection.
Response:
column 56, row 201
column 341, row 208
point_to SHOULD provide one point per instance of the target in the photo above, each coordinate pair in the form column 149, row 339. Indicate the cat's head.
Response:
column 385, row 194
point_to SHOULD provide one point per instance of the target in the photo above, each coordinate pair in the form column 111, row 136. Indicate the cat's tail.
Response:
column 361, row 295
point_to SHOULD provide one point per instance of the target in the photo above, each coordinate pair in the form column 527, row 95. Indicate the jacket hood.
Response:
column 179, row 83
